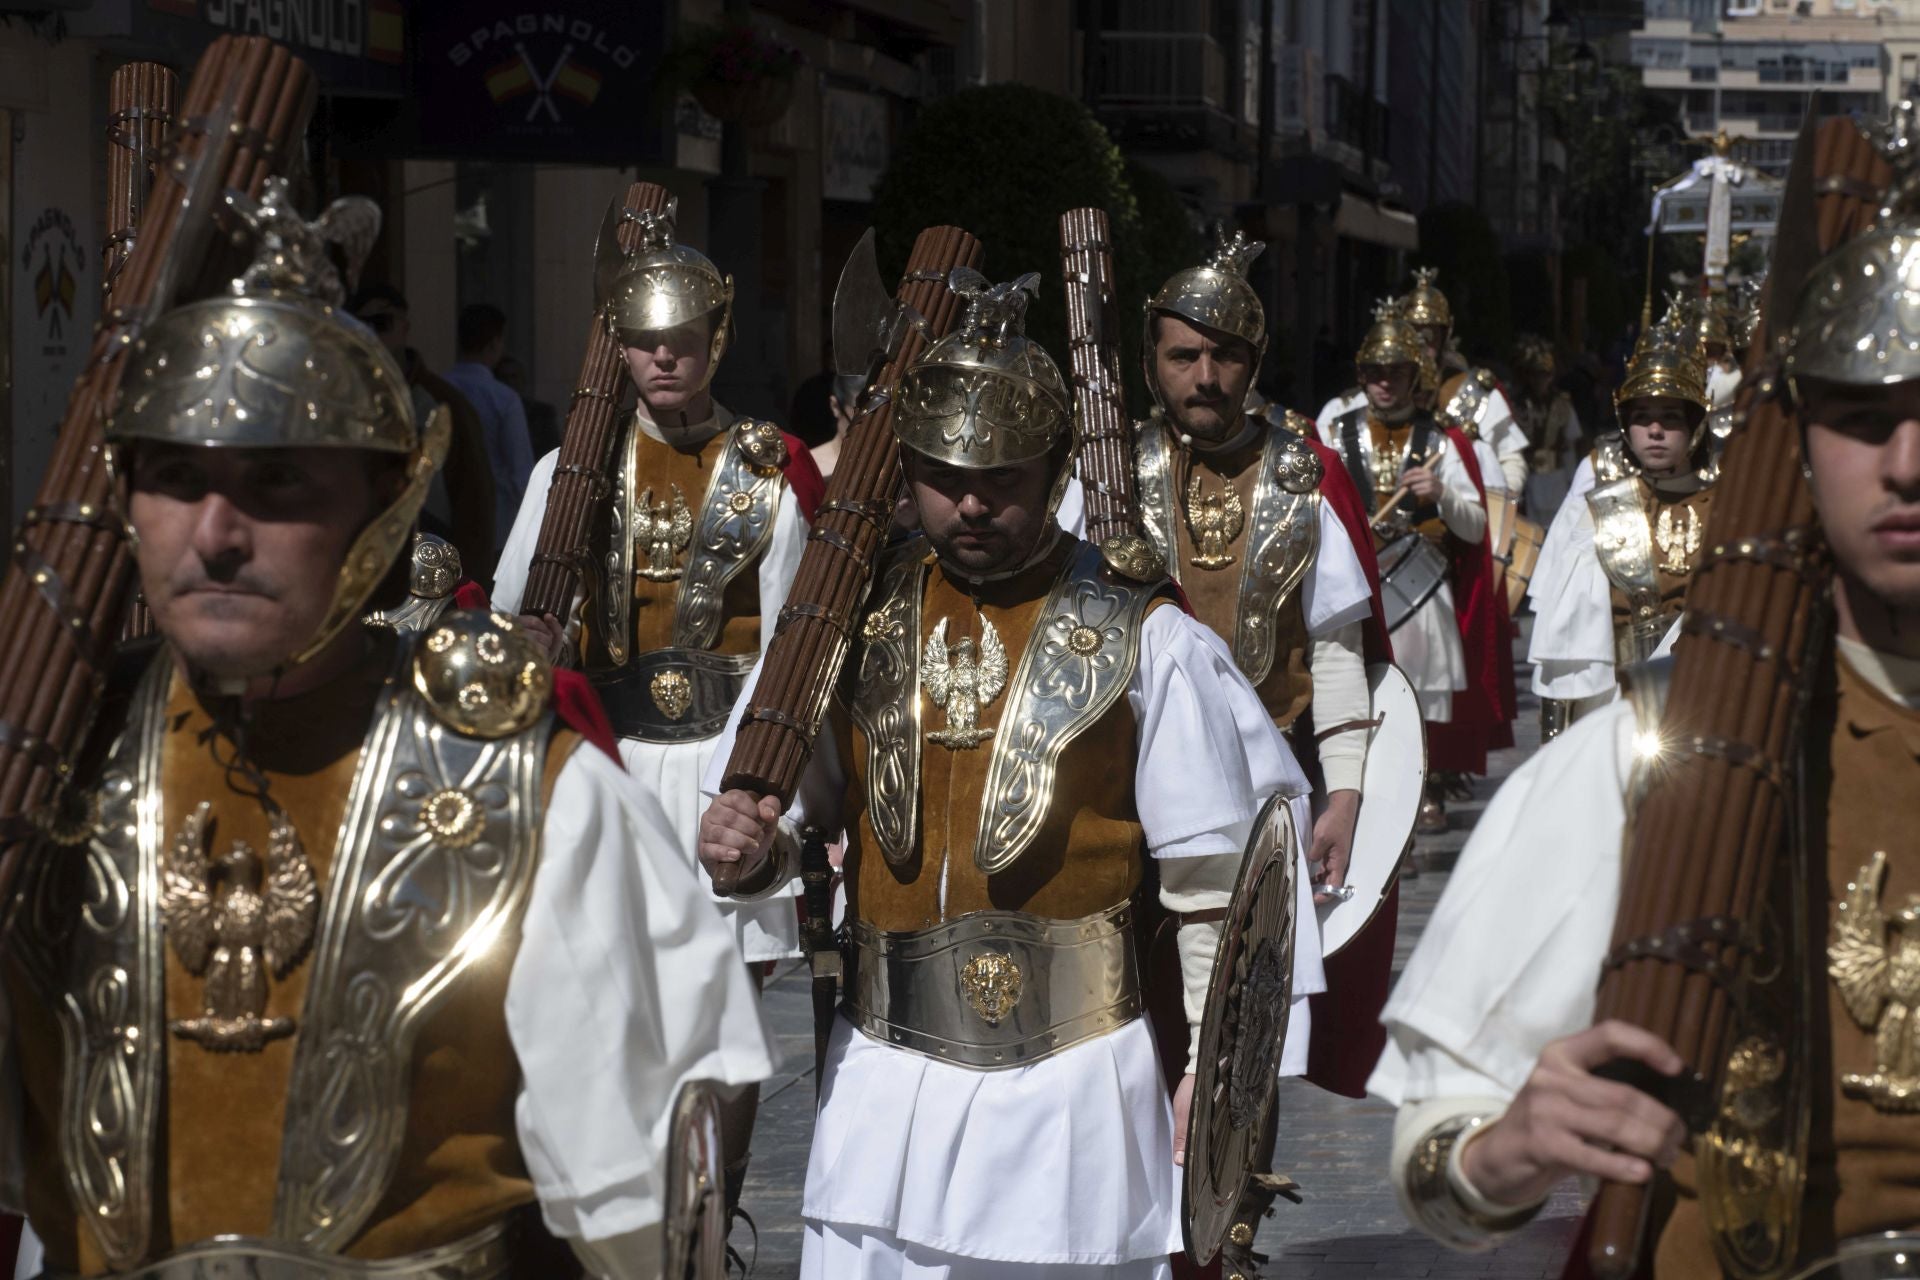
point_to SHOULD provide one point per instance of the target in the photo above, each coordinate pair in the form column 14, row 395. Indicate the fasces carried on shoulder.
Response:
column 482, row 676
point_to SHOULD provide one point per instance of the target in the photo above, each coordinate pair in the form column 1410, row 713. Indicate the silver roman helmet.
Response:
column 1214, row 295
column 1857, row 317
column 275, row 363
column 661, row 284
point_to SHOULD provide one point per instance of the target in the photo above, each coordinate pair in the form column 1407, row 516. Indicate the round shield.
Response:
column 1241, row 1036
column 1391, row 784
column 1411, row 570
column 694, row 1238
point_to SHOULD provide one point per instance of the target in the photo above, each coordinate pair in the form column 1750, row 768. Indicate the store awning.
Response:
column 1359, row 218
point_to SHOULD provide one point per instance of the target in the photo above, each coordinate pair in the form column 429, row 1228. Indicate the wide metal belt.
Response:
column 1635, row 640
column 673, row 695
column 995, row 989
column 485, row 1255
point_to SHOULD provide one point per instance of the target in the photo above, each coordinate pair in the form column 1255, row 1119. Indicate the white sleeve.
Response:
column 1072, row 515
column 1468, row 1019
column 1461, row 506
column 1499, row 428
column 627, row 985
column 1571, row 647
column 516, row 558
column 1335, row 591
column 1338, row 665
column 780, row 563
column 1209, row 753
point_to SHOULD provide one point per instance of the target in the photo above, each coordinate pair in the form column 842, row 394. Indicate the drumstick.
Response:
column 1386, row 508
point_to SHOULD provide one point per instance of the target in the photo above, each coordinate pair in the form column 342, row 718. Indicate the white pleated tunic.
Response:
column 624, row 988
column 1571, row 648
column 1427, row 646
column 671, row 771
column 1061, row 1169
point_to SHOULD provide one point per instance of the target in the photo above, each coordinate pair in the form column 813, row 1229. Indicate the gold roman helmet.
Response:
column 1857, row 317
column 984, row 395
column 1668, row 360
column 275, row 363
column 660, row 285
column 1533, row 354
column 1426, row 305
column 1391, row 340
column 1214, row 295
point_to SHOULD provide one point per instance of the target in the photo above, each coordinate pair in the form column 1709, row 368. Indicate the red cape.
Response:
column 1482, row 713
column 803, row 477
column 574, row 699
column 1346, row 1035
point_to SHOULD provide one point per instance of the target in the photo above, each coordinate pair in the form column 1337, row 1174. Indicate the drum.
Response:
column 1522, row 556
column 1392, row 782
column 1411, row 570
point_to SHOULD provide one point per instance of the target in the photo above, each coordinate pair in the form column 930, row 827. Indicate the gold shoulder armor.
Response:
column 762, row 445
column 1297, row 467
column 1133, row 557
column 1610, row 458
column 481, row 675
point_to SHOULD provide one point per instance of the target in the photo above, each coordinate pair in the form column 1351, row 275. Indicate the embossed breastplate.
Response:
column 434, row 860
column 1077, row 663
column 1623, row 539
column 1283, row 532
column 731, row 527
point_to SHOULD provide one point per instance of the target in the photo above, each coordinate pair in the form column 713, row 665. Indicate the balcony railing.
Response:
column 1158, row 69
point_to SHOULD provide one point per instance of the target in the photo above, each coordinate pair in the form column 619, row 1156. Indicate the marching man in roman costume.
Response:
column 1470, row 396
column 1022, row 717
column 1613, row 574
column 1421, row 482
column 334, row 959
column 1264, row 531
column 1546, row 417
column 1492, row 1059
column 696, row 547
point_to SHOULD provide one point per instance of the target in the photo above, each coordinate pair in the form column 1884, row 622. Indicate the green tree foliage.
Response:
column 1005, row 161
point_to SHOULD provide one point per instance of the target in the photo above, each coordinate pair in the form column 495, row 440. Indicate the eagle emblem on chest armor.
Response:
column 233, row 919
column 961, row 681
column 664, row 529
column 1215, row 520
column 1874, row 960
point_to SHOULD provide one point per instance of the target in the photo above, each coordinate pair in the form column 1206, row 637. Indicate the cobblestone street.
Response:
column 1347, row 1225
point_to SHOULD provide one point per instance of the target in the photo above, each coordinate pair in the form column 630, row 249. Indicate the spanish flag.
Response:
column 579, row 83
column 509, row 79
column 386, row 31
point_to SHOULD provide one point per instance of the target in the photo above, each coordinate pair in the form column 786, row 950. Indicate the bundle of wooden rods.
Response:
column 140, row 99
column 1101, row 427
column 140, row 104
column 1713, row 822
column 586, row 446
column 71, row 576
column 803, row 661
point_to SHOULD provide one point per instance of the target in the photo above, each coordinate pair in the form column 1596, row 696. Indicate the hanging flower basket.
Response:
column 755, row 103
column 736, row 72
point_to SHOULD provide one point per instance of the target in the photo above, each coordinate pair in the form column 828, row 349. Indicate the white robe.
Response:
column 624, row 988
column 1427, row 646
column 1067, row 1161
column 1572, row 646
column 671, row 771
